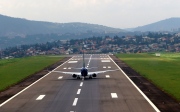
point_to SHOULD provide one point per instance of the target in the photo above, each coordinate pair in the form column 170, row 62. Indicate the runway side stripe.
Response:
column 31, row 84
column 75, row 101
column 155, row 108
column 40, row 97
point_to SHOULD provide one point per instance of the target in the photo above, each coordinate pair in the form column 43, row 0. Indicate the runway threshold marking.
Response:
column 60, row 77
column 147, row 99
column 105, row 60
column 114, row 95
column 81, row 84
column 72, row 61
column 40, row 97
column 79, row 91
column 75, row 101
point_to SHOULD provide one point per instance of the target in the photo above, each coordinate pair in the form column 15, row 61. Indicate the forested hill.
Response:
column 171, row 24
column 10, row 27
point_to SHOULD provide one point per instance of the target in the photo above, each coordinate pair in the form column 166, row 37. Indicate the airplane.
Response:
column 84, row 72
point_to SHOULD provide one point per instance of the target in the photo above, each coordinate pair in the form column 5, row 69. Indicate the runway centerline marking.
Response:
column 89, row 60
column 64, row 68
column 114, row 95
column 107, row 76
column 60, row 77
column 104, row 67
column 81, row 84
column 40, row 97
column 109, row 66
column 79, row 91
column 75, row 101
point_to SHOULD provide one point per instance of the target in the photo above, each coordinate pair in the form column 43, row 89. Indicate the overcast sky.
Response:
column 113, row 13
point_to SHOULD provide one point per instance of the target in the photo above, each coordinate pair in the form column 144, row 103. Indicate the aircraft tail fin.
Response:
column 83, row 60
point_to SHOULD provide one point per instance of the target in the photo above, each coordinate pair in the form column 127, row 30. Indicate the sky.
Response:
column 112, row 13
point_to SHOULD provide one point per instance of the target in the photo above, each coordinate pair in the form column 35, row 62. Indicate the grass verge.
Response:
column 163, row 71
column 13, row 71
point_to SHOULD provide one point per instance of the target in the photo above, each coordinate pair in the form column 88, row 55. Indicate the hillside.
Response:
column 15, row 26
column 17, row 31
column 170, row 24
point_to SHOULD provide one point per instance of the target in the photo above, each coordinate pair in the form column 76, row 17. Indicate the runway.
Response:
column 58, row 92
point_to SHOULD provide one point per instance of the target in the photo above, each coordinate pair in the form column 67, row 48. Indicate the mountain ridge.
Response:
column 169, row 24
column 17, row 26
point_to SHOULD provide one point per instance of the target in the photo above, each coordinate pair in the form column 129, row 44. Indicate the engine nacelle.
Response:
column 74, row 75
column 94, row 75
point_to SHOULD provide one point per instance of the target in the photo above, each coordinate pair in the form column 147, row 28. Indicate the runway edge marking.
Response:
column 31, row 84
column 149, row 101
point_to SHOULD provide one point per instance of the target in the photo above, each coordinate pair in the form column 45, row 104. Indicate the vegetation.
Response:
column 15, row 70
column 163, row 71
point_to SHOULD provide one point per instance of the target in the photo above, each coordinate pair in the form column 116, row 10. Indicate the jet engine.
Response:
column 94, row 75
column 74, row 75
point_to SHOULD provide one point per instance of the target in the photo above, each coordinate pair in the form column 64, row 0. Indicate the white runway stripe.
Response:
column 72, row 62
column 60, row 77
column 75, row 101
column 40, row 97
column 81, row 84
column 114, row 95
column 79, row 91
column 107, row 76
column 105, row 60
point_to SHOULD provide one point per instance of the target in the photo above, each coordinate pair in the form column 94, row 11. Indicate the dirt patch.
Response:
column 163, row 101
column 11, row 91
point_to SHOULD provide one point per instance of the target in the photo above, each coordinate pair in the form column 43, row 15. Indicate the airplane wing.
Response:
column 97, row 72
column 81, row 68
column 77, row 73
column 89, row 73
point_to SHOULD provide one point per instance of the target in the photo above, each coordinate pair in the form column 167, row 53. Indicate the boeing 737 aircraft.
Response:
column 84, row 72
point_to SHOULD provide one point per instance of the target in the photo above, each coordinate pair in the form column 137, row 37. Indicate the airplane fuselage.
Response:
column 84, row 72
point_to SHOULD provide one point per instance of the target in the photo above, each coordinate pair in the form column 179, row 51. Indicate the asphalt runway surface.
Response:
column 58, row 92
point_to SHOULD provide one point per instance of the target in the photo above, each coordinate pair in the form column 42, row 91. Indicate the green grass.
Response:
column 15, row 70
column 163, row 71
